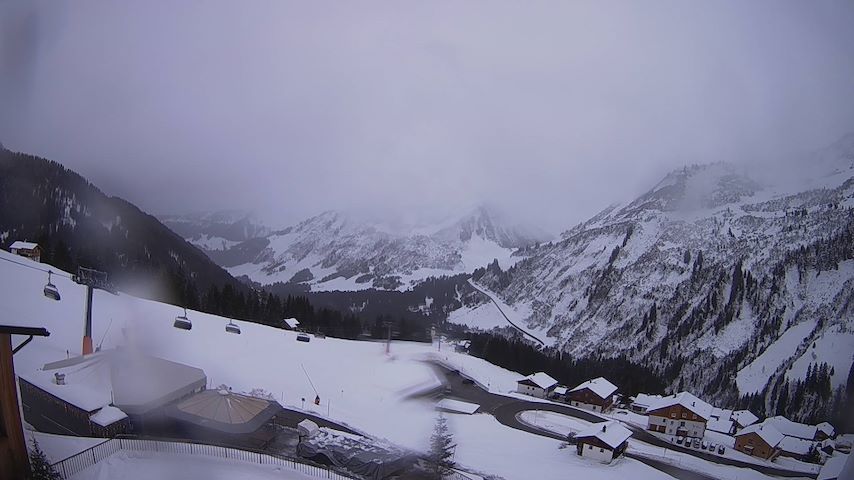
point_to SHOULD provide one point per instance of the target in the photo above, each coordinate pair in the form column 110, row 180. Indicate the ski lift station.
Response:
column 114, row 392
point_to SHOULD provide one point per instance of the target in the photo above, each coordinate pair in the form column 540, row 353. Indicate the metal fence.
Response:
column 89, row 457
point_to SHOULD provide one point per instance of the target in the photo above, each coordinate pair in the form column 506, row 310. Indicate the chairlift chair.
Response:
column 182, row 322
column 50, row 290
column 232, row 327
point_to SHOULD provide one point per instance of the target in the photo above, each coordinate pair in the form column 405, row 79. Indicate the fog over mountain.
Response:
column 550, row 110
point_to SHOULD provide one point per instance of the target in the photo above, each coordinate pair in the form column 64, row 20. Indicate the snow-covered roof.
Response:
column 795, row 445
column 722, row 425
column 456, row 406
column 291, row 322
column 611, row 432
column 87, row 382
column 687, row 400
column 826, row 428
column 540, row 379
column 600, row 386
column 721, row 413
column 308, row 428
column 790, row 428
column 108, row 416
column 142, row 382
column 561, row 390
column 767, row 433
column 644, row 400
column 744, row 418
column 23, row 245
column 133, row 383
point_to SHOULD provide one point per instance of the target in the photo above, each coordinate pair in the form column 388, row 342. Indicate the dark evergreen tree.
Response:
column 441, row 455
column 40, row 467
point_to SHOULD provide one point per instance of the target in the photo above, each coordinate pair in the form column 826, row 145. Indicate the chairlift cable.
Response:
column 36, row 268
column 309, row 379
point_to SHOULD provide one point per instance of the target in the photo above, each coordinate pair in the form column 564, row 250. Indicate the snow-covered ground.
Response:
column 754, row 376
column 60, row 447
column 363, row 391
column 492, row 311
column 485, row 445
column 164, row 466
column 563, row 425
column 836, row 347
column 358, row 383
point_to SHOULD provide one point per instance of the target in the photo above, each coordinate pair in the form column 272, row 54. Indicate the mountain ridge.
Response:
column 335, row 250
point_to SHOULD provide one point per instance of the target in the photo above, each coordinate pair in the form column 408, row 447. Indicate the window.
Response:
column 601, row 450
column 682, row 424
column 684, row 415
column 673, row 415
column 589, row 447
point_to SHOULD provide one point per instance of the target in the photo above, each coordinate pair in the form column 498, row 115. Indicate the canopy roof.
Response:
column 225, row 411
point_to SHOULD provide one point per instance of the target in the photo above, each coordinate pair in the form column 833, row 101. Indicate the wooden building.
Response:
column 27, row 249
column 603, row 441
column 596, row 395
column 682, row 414
column 537, row 385
column 14, row 456
column 759, row 441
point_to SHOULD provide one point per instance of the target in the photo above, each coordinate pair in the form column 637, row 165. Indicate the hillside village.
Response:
column 152, row 378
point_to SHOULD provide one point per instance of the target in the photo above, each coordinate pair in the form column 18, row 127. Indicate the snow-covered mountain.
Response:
column 704, row 277
column 216, row 231
column 339, row 251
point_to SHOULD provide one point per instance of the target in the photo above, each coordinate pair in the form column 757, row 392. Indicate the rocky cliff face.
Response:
column 704, row 276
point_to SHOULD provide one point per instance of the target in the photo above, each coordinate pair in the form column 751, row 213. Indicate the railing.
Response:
column 91, row 456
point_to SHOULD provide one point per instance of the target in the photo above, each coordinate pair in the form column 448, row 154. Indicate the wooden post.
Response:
column 14, row 458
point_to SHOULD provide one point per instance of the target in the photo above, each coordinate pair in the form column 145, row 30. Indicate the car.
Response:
column 721, row 449
column 696, row 443
column 303, row 338
column 680, row 440
column 713, row 447
column 705, row 445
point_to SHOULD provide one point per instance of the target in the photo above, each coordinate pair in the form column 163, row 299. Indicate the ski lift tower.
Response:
column 91, row 279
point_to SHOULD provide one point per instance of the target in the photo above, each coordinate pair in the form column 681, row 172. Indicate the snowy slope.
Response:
column 362, row 391
column 358, row 383
column 710, row 267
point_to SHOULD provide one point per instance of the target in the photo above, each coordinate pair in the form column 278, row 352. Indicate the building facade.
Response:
column 596, row 395
column 677, row 420
column 759, row 441
column 538, row 385
column 27, row 249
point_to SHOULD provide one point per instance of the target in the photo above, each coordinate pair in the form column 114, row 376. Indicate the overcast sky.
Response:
column 551, row 110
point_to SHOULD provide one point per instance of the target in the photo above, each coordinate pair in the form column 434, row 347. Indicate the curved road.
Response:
column 506, row 409
column 498, row 306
